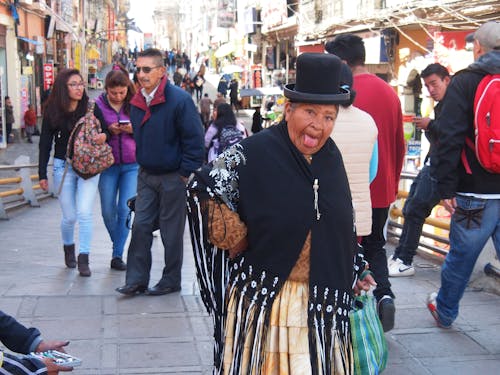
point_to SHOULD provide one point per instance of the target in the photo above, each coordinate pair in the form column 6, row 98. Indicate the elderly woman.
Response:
column 279, row 202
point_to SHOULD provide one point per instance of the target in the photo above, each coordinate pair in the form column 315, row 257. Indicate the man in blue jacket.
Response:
column 24, row 340
column 169, row 147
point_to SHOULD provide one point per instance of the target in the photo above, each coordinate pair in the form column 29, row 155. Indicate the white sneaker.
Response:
column 390, row 261
column 398, row 269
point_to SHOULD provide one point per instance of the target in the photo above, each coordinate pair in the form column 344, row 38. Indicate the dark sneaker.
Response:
column 118, row 264
column 386, row 312
column 432, row 307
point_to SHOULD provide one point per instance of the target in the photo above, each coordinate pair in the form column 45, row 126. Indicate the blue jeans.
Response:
column 422, row 198
column 117, row 184
column 77, row 203
column 473, row 223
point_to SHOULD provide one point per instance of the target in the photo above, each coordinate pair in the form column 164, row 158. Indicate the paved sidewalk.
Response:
column 172, row 334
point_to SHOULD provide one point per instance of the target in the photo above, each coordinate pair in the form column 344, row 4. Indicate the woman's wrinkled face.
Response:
column 117, row 95
column 310, row 125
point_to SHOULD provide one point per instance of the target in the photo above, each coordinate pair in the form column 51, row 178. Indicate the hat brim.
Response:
column 304, row 97
column 469, row 38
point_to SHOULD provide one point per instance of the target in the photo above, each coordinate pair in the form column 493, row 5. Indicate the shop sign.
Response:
column 256, row 76
column 274, row 13
column 450, row 51
column 48, row 76
column 226, row 13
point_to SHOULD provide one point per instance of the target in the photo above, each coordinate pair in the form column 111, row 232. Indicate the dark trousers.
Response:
column 160, row 199
column 8, row 128
column 199, row 92
column 375, row 253
column 421, row 200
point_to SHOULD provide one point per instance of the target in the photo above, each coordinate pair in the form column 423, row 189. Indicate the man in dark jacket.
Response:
column 423, row 194
column 169, row 147
column 472, row 198
column 20, row 339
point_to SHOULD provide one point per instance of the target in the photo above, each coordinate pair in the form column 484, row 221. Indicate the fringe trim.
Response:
column 328, row 318
column 254, row 299
column 212, row 272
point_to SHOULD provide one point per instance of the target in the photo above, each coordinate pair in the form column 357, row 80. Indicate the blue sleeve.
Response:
column 374, row 162
column 192, row 138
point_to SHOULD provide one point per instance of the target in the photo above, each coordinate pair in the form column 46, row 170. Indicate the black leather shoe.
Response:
column 130, row 290
column 118, row 264
column 159, row 290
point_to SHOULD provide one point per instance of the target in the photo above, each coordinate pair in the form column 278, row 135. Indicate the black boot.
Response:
column 69, row 256
column 118, row 264
column 83, row 265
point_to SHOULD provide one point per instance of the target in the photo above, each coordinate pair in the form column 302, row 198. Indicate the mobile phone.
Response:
column 61, row 359
column 124, row 122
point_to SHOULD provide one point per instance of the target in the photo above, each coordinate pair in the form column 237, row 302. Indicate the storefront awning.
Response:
column 93, row 54
column 31, row 41
column 224, row 50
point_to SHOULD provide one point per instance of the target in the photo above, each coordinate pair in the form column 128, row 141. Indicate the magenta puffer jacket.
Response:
column 123, row 144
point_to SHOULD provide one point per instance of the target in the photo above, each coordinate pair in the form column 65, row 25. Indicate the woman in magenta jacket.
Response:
column 119, row 182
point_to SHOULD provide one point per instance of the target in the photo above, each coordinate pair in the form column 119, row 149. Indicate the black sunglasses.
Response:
column 146, row 69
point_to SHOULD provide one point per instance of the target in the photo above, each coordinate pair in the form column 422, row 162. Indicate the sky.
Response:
column 142, row 14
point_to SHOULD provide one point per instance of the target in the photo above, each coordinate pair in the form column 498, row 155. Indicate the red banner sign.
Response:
column 48, row 76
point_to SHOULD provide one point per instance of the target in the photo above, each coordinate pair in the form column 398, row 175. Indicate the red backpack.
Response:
column 486, row 125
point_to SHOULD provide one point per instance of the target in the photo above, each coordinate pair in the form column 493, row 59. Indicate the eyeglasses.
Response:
column 74, row 85
column 146, row 69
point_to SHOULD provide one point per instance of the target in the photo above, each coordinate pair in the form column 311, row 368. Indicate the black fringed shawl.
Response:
column 281, row 198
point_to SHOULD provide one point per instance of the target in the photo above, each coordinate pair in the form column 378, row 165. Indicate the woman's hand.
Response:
column 115, row 128
column 100, row 138
column 364, row 283
column 127, row 128
column 53, row 368
column 44, row 184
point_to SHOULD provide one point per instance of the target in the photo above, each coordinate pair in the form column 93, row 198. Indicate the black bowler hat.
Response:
column 318, row 80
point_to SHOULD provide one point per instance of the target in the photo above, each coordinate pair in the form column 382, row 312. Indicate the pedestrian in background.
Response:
column 377, row 98
column 187, row 84
column 199, row 81
column 30, row 122
column 233, row 94
column 169, row 147
column 67, row 103
column 219, row 100
column 222, row 86
column 118, row 183
column 224, row 125
column 205, row 109
column 471, row 196
column 256, row 121
column 9, row 119
column 355, row 134
column 423, row 195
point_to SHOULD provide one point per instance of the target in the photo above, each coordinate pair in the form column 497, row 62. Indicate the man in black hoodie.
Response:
column 472, row 197
column 24, row 340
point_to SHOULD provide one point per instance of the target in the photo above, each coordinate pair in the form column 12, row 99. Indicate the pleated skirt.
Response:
column 286, row 346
